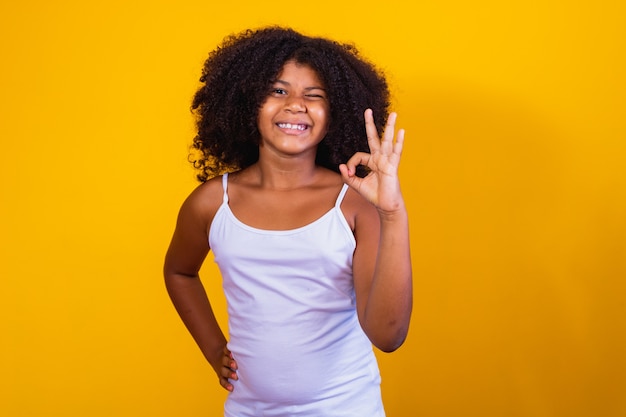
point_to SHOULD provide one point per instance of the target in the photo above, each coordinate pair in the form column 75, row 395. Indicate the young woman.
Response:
column 300, row 203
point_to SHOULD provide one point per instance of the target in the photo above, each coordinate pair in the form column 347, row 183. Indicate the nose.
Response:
column 295, row 104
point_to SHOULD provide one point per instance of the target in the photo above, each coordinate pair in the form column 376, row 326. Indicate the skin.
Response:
column 286, row 190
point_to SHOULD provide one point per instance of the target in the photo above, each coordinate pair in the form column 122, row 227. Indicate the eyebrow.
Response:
column 306, row 88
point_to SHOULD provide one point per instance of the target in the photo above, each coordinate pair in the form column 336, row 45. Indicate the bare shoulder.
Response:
column 359, row 212
column 204, row 200
column 189, row 244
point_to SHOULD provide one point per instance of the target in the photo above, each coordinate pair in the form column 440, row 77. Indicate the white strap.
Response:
column 342, row 193
column 225, row 187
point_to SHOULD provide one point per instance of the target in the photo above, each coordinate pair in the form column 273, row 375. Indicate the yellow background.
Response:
column 513, row 173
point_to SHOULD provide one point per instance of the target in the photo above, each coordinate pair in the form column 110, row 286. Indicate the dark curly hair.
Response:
column 237, row 78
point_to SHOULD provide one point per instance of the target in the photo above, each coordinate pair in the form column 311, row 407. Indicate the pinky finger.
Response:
column 227, row 385
column 397, row 147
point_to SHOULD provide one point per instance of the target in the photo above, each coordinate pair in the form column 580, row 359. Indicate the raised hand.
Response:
column 381, row 186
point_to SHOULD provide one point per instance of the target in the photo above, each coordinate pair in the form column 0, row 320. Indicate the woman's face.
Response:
column 294, row 118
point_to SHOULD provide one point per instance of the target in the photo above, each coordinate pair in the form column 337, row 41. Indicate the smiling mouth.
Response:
column 300, row 127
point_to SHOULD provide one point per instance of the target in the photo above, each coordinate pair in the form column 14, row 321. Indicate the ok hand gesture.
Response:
column 381, row 186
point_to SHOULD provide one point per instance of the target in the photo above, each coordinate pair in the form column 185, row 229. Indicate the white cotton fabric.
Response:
column 293, row 328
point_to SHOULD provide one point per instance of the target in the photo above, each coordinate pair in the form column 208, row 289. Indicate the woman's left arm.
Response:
column 382, row 260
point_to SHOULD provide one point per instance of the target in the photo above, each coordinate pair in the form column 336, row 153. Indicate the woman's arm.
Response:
column 382, row 260
column 186, row 253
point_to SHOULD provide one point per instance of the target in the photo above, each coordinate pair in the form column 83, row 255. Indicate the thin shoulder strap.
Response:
column 225, row 187
column 342, row 193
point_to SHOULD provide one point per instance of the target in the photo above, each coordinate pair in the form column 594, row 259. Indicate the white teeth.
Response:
column 290, row 126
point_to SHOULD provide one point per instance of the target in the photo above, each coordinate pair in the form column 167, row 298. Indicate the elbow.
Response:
column 387, row 332
column 386, row 335
column 169, row 277
column 391, row 338
column 175, row 281
column 391, row 344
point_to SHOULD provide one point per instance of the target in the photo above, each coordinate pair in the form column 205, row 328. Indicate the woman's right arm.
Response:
column 186, row 253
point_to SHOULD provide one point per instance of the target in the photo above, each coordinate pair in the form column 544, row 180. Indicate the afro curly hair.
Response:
column 237, row 78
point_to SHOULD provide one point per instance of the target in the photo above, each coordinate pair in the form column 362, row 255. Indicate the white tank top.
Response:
column 293, row 327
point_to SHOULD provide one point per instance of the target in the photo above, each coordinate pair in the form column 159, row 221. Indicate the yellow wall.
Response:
column 516, row 120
